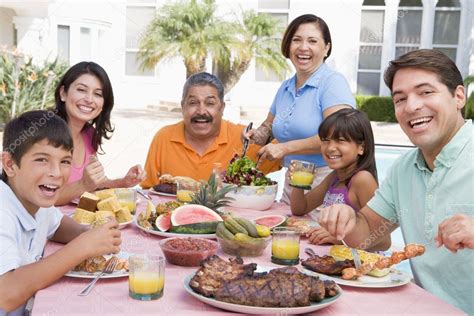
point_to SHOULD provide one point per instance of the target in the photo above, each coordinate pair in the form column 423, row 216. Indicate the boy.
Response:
column 37, row 155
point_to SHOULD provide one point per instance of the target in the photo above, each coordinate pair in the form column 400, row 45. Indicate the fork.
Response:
column 246, row 141
column 109, row 268
column 355, row 255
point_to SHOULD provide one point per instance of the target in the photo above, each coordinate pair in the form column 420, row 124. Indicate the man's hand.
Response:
column 93, row 175
column 134, row 176
column 338, row 220
column 456, row 233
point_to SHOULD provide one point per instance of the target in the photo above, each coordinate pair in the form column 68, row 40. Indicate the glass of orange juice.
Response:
column 302, row 174
column 285, row 246
column 185, row 193
column 146, row 279
column 127, row 198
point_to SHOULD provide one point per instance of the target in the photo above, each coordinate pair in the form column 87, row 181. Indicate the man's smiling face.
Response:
column 202, row 112
column 425, row 109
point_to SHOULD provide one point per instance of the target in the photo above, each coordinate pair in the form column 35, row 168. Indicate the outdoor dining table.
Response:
column 110, row 296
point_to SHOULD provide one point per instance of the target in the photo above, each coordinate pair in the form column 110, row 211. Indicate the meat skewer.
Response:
column 410, row 251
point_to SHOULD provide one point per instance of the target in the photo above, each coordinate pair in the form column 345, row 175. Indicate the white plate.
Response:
column 121, row 225
column 168, row 234
column 152, row 191
column 260, row 310
column 115, row 274
column 393, row 279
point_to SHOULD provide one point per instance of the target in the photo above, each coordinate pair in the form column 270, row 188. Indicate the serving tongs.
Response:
column 246, row 141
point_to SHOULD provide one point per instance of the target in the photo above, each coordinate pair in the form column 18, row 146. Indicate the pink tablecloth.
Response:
column 110, row 297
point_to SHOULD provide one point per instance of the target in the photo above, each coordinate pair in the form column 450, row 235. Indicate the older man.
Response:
column 428, row 191
column 192, row 146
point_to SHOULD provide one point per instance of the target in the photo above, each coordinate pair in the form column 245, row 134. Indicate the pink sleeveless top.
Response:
column 336, row 195
column 77, row 171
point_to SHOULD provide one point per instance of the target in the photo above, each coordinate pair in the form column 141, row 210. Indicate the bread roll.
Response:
column 104, row 194
column 109, row 204
column 123, row 215
column 82, row 216
column 88, row 202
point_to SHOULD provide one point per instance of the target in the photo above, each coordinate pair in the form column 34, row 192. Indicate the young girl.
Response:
column 348, row 148
column 84, row 99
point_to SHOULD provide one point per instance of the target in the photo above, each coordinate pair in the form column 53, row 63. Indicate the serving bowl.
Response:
column 244, row 249
column 187, row 251
column 257, row 198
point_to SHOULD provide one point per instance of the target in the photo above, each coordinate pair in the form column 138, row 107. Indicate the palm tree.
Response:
column 188, row 30
column 258, row 39
column 192, row 31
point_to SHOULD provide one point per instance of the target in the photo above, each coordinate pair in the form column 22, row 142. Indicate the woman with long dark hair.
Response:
column 84, row 99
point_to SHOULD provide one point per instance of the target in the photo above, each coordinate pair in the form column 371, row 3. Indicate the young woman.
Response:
column 84, row 99
column 347, row 146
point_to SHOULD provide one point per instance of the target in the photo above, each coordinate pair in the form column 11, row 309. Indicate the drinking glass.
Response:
column 285, row 246
column 303, row 174
column 127, row 198
column 146, row 278
column 185, row 192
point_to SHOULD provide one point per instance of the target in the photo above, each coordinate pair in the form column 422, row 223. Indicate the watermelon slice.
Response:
column 193, row 213
column 163, row 222
column 271, row 220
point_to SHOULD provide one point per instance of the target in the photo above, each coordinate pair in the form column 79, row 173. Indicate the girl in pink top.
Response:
column 347, row 146
column 84, row 99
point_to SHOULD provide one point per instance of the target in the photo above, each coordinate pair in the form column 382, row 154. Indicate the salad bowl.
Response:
column 251, row 188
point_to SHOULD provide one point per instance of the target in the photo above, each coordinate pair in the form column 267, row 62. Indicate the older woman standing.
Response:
column 303, row 101
column 84, row 99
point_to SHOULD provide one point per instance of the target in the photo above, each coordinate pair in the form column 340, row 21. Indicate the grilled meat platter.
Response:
column 238, row 283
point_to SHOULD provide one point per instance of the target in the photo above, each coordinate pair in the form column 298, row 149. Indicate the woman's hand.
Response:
column 134, row 176
column 272, row 151
column 260, row 136
column 93, row 176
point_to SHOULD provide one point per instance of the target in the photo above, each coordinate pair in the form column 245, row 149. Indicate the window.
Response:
column 446, row 27
column 64, row 43
column 408, row 36
column 86, row 47
column 138, row 18
column 370, row 49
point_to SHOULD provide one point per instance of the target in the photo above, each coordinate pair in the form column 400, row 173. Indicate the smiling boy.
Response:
column 37, row 154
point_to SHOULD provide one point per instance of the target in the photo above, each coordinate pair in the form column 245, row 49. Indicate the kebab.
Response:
column 410, row 251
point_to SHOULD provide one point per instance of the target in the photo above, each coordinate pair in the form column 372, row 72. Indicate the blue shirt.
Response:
column 418, row 200
column 298, row 114
column 22, row 236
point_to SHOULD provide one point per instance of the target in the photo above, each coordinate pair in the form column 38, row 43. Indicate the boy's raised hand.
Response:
column 93, row 175
column 101, row 240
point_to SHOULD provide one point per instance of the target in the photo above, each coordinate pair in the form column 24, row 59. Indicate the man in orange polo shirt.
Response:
column 192, row 146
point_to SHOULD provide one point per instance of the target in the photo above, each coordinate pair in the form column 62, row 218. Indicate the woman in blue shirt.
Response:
column 303, row 101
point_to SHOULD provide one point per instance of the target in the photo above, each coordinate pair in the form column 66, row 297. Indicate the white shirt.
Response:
column 22, row 236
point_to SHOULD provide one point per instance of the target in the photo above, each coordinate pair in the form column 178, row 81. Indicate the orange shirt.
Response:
column 169, row 153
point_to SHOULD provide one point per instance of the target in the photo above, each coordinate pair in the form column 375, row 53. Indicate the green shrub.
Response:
column 377, row 108
column 469, row 106
column 35, row 84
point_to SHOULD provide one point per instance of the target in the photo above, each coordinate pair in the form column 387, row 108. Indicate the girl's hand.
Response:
column 319, row 236
column 101, row 240
column 93, row 175
column 337, row 219
column 134, row 176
